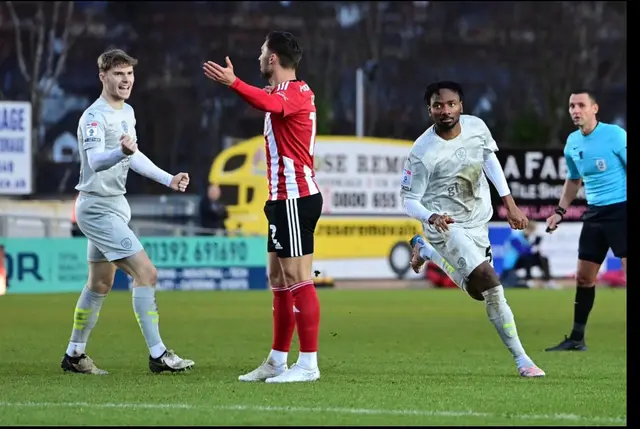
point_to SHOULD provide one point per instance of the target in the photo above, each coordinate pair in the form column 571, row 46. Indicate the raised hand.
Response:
column 224, row 75
column 129, row 147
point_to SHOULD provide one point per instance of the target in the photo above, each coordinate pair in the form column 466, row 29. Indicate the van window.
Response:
column 229, row 195
column 235, row 162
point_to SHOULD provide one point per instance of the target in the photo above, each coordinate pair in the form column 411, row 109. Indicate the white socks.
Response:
column 307, row 360
column 76, row 349
column 146, row 311
column 426, row 251
column 277, row 358
column 501, row 316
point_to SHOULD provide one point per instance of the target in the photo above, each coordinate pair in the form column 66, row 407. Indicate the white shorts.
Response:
column 464, row 248
column 105, row 222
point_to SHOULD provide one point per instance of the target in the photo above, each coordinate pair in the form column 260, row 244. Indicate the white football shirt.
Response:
column 446, row 176
column 101, row 126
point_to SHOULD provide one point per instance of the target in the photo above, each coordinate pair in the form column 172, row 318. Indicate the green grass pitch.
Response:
column 402, row 357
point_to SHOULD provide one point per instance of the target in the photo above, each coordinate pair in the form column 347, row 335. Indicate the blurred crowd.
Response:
column 500, row 51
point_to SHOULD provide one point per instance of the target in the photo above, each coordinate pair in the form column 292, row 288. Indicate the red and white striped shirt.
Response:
column 289, row 142
column 289, row 134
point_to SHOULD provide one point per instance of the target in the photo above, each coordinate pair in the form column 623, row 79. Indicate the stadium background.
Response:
column 368, row 64
column 404, row 356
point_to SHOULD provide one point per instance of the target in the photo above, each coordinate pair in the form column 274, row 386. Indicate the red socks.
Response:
column 296, row 305
column 307, row 314
column 283, row 319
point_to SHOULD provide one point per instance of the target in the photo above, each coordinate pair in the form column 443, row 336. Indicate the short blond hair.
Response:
column 115, row 58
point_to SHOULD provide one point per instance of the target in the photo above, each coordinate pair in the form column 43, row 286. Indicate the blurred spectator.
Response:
column 613, row 278
column 522, row 252
column 213, row 213
column 437, row 277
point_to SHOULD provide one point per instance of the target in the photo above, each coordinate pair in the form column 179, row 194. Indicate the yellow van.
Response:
column 363, row 232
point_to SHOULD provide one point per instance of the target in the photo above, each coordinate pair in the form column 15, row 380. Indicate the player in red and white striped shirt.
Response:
column 293, row 207
column 289, row 141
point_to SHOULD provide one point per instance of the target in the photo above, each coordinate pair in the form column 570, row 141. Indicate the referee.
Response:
column 596, row 155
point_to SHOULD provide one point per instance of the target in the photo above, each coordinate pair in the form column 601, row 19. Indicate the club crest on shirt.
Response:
column 461, row 154
column 125, row 127
column 126, row 243
column 601, row 164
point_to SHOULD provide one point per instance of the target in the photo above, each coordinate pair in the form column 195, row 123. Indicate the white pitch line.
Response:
column 361, row 411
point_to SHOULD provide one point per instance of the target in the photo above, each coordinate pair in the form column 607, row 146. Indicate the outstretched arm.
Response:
column 142, row 165
column 258, row 97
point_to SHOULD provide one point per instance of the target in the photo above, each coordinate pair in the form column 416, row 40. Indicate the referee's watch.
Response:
column 560, row 211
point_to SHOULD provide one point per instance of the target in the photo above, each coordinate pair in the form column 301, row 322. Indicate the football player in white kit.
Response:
column 445, row 188
column 108, row 147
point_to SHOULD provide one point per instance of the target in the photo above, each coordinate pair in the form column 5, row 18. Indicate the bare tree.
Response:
column 551, row 50
column 373, row 26
column 37, row 38
column 5, row 52
column 322, row 65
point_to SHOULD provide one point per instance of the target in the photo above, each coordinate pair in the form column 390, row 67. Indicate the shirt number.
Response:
column 312, row 142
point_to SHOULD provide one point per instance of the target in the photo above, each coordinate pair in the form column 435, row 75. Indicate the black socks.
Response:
column 585, row 296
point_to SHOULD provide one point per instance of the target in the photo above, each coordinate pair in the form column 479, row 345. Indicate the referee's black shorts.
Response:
column 603, row 227
column 292, row 224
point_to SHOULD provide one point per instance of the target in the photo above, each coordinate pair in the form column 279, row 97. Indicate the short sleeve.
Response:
column 572, row 170
column 415, row 178
column 92, row 128
column 489, row 146
column 620, row 144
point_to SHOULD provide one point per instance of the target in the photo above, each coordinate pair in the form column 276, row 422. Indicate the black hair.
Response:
column 434, row 88
column 286, row 47
column 589, row 92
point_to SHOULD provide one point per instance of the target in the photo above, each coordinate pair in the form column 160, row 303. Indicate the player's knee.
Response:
column 293, row 276
column 473, row 293
column 277, row 279
column 100, row 285
column 481, row 279
column 147, row 276
column 585, row 279
column 101, row 275
column 295, row 272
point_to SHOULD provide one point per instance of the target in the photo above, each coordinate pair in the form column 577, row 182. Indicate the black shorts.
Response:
column 292, row 224
column 603, row 227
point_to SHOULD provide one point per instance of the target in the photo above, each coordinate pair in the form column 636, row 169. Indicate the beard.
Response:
column 266, row 75
column 266, row 72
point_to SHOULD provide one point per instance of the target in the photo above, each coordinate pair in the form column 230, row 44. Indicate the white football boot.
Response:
column 170, row 361
column 264, row 371
column 296, row 374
